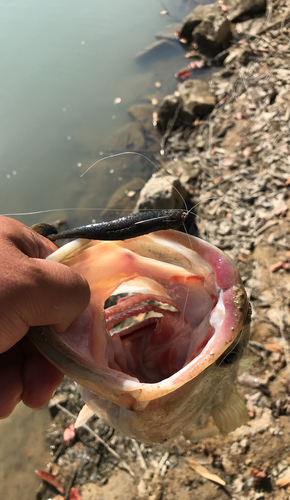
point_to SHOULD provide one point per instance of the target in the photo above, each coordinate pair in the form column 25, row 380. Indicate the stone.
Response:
column 129, row 137
column 123, row 201
column 228, row 465
column 166, row 111
column 184, row 170
column 162, row 192
column 197, row 100
column 142, row 113
column 158, row 50
column 238, row 8
column 169, row 32
column 213, row 36
column 208, row 28
column 194, row 99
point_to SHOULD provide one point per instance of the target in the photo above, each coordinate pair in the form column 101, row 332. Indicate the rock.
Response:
column 208, row 28
column 228, row 465
column 162, row 191
column 128, row 137
column 169, row 32
column 197, row 100
column 184, row 170
column 238, row 8
column 251, row 26
column 213, row 36
column 158, row 50
column 142, row 113
column 166, row 111
column 124, row 198
column 242, row 56
column 238, row 484
column 194, row 99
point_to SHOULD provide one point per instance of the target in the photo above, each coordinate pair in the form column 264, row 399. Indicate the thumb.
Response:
column 57, row 295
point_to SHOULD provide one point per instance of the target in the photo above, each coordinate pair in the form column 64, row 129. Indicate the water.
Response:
column 63, row 63
column 62, row 66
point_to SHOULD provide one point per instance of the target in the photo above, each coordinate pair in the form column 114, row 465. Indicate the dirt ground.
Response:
column 244, row 189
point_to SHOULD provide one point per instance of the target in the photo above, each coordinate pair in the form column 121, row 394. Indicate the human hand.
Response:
column 33, row 292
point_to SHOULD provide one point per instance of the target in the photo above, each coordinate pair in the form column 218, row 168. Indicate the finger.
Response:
column 46, row 293
column 11, row 388
column 25, row 239
column 40, row 379
column 56, row 295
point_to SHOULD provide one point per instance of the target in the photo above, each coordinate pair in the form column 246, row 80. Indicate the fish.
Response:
column 164, row 357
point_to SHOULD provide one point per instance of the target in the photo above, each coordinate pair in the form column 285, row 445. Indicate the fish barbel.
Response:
column 175, row 364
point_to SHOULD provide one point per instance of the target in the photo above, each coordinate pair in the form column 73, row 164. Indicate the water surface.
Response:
column 63, row 63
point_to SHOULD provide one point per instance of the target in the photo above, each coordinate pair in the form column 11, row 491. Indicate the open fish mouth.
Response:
column 182, row 308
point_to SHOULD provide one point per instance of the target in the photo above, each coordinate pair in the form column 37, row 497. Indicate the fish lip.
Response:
column 234, row 302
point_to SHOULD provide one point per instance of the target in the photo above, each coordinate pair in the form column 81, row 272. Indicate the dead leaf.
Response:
column 217, row 179
column 247, row 152
column 51, row 479
column 252, row 412
column 198, row 64
column 287, row 182
column 275, row 267
column 274, row 347
column 258, row 475
column 238, row 116
column 242, row 258
column 282, row 208
column 74, row 494
column 282, row 482
column 69, row 434
column 200, row 469
column 228, row 162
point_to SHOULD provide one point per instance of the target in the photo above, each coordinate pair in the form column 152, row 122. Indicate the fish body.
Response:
column 175, row 364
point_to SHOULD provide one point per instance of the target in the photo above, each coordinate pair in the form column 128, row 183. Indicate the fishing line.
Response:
column 70, row 209
column 62, row 209
column 174, row 187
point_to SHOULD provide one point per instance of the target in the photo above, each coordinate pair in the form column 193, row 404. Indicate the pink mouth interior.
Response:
column 152, row 335
column 165, row 339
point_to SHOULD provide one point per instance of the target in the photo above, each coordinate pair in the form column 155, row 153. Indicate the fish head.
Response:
column 166, row 354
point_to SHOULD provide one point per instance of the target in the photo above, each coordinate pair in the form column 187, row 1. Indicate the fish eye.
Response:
column 230, row 358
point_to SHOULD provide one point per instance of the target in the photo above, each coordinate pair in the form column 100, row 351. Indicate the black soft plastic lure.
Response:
column 124, row 228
